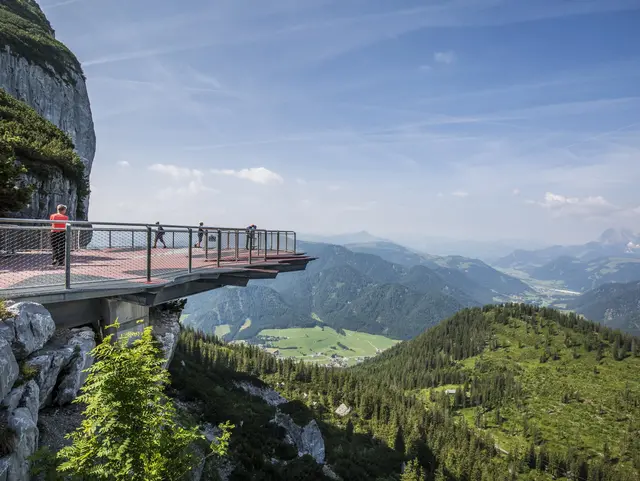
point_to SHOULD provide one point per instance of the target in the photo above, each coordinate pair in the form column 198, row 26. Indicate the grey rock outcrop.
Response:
column 73, row 375
column 48, row 365
column 343, row 410
column 62, row 101
column 307, row 439
column 271, row 397
column 29, row 329
column 166, row 330
column 8, row 368
column 22, row 417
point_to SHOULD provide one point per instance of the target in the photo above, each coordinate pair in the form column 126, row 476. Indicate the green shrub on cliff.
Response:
column 27, row 32
column 39, row 146
column 130, row 429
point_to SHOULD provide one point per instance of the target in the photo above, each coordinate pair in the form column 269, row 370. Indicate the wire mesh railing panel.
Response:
column 170, row 251
column 34, row 254
column 111, row 255
column 228, row 241
column 26, row 258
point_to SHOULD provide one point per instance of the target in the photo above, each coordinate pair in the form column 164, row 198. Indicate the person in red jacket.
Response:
column 58, row 235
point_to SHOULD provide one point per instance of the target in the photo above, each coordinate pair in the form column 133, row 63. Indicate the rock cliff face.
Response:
column 58, row 94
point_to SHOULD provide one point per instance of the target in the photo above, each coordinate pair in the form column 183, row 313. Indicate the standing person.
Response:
column 250, row 233
column 159, row 236
column 200, row 235
column 58, row 235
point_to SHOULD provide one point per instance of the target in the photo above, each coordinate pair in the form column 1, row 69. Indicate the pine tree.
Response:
column 412, row 472
column 129, row 431
column 349, row 430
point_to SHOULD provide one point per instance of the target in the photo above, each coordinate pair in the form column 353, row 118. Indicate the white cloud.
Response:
column 259, row 175
column 516, row 191
column 460, row 193
column 175, row 171
column 123, row 163
column 447, row 58
column 592, row 206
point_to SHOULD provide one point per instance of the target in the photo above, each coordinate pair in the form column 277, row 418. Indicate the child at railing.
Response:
column 159, row 236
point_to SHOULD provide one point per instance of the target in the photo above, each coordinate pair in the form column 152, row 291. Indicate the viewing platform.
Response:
column 106, row 263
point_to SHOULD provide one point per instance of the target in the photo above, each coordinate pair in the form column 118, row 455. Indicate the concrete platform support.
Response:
column 126, row 313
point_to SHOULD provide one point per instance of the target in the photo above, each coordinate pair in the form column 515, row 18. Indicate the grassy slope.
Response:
column 26, row 30
column 302, row 343
column 594, row 416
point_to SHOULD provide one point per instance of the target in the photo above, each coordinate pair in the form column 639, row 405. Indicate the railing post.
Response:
column 237, row 244
column 173, row 240
column 278, row 243
column 250, row 248
column 265, row 246
column 68, row 238
column 148, row 253
column 286, row 241
column 190, row 250
column 294, row 243
column 206, row 245
column 219, row 247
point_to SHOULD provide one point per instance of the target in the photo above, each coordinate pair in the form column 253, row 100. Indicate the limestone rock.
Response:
column 330, row 473
column 62, row 101
column 308, row 440
column 8, row 368
column 24, row 396
column 29, row 329
column 313, row 442
column 49, row 364
column 343, row 410
column 271, row 397
column 166, row 329
column 73, row 376
column 26, row 430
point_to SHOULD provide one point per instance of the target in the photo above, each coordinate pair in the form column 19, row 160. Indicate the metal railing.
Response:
column 31, row 256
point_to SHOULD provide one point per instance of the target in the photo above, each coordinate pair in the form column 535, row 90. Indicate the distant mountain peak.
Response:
column 618, row 236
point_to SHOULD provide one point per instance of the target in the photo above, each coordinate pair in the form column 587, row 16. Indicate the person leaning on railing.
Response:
column 58, row 235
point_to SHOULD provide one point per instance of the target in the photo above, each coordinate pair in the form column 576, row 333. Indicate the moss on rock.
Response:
column 27, row 32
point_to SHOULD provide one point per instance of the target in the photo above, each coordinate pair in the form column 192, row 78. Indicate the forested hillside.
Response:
column 494, row 393
column 579, row 275
column 350, row 290
column 615, row 305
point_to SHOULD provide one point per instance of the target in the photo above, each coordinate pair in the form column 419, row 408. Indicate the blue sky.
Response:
column 477, row 119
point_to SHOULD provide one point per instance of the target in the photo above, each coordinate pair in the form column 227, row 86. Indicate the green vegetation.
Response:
column 39, row 146
column 4, row 312
column 318, row 343
column 25, row 29
column 144, row 441
column 511, row 392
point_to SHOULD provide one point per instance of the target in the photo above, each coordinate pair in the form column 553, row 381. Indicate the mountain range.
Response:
column 360, row 291
column 612, row 243
column 616, row 305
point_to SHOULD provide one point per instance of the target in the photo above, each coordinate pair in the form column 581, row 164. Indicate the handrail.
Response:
column 8, row 220
column 87, row 250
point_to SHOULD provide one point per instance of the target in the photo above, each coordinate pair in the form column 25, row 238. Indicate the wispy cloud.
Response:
column 592, row 206
column 175, row 171
column 123, row 163
column 447, row 57
column 259, row 175
column 460, row 193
